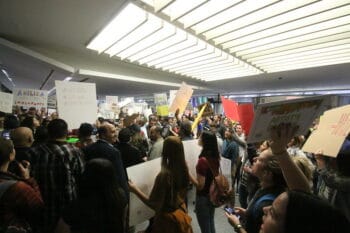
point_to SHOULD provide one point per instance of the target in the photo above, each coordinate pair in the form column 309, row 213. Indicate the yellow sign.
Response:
column 195, row 123
column 163, row 110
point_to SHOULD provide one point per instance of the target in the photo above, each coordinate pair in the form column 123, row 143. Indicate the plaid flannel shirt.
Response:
column 57, row 167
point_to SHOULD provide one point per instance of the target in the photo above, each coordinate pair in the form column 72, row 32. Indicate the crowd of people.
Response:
column 49, row 183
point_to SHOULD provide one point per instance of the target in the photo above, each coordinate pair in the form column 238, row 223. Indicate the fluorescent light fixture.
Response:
column 205, row 11
column 220, row 33
column 297, row 10
column 8, row 77
column 312, row 45
column 213, row 40
column 307, row 64
column 133, row 79
column 309, row 45
column 230, row 14
column 51, row 90
column 255, row 47
column 301, row 34
column 291, row 29
column 181, row 7
column 119, row 27
column 152, row 25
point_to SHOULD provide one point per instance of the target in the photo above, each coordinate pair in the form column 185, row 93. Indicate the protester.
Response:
column 168, row 194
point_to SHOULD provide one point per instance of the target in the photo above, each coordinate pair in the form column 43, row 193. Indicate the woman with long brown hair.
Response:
column 168, row 194
column 208, row 163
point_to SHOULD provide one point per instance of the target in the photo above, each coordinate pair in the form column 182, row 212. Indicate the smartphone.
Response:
column 229, row 210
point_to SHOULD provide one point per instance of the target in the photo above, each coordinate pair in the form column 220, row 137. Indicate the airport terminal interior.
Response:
column 208, row 65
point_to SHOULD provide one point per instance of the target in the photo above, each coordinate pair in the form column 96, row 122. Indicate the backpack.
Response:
column 220, row 189
column 16, row 225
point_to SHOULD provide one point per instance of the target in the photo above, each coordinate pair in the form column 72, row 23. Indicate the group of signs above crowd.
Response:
column 76, row 103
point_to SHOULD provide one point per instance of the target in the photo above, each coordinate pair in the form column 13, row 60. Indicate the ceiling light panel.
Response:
column 204, row 39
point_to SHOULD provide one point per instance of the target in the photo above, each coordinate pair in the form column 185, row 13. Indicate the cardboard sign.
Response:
column 76, row 102
column 299, row 112
column 6, row 102
column 30, row 98
column 331, row 132
column 182, row 97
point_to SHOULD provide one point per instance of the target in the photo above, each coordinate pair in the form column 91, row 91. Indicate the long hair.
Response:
column 103, row 202
column 173, row 161
column 308, row 213
column 210, row 146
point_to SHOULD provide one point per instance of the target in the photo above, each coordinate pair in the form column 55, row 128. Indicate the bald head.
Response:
column 22, row 137
column 108, row 132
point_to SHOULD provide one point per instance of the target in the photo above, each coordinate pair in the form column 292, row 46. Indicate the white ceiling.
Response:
column 40, row 37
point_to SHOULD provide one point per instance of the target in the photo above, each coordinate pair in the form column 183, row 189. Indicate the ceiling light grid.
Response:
column 173, row 49
column 204, row 39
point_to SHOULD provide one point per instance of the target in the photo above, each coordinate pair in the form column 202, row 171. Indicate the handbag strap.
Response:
column 211, row 169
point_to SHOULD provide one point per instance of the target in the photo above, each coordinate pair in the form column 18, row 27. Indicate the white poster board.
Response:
column 30, row 98
column 76, row 102
column 143, row 176
column 160, row 99
column 192, row 151
column 112, row 100
column 6, row 102
column 299, row 112
column 172, row 95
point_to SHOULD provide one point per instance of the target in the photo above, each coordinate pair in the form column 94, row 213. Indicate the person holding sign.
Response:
column 295, row 210
column 168, row 194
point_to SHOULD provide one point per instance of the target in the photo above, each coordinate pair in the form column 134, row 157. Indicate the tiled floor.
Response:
column 221, row 224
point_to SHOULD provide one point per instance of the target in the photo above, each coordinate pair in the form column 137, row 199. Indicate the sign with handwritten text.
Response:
column 331, row 132
column 6, row 101
column 29, row 98
column 299, row 112
column 76, row 102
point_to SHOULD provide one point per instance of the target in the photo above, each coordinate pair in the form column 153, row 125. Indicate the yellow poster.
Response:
column 163, row 110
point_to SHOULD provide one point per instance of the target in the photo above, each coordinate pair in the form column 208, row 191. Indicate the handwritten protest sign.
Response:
column 331, row 132
column 30, row 98
column 6, row 102
column 182, row 97
column 76, row 102
column 299, row 112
